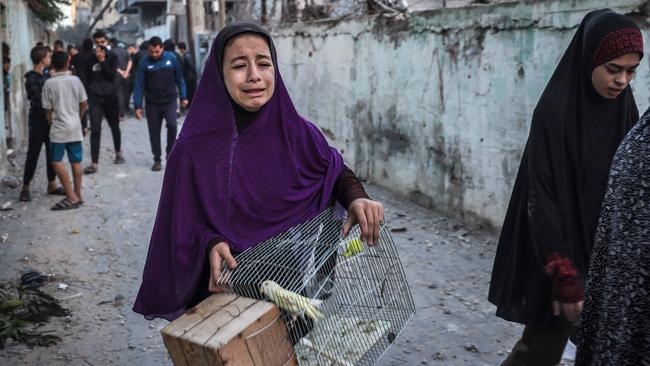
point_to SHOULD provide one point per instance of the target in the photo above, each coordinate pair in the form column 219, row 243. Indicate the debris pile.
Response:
column 24, row 309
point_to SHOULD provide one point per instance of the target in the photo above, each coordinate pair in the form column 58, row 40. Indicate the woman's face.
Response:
column 612, row 77
column 248, row 71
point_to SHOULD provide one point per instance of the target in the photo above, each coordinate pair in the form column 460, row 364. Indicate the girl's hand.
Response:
column 368, row 214
column 571, row 311
column 218, row 254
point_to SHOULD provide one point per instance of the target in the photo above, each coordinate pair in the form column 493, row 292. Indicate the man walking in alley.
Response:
column 102, row 96
column 157, row 78
column 189, row 71
column 65, row 100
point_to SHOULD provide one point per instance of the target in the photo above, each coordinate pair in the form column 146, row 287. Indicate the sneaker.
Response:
column 156, row 167
column 119, row 159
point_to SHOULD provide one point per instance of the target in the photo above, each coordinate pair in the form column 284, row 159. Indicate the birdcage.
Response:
column 360, row 291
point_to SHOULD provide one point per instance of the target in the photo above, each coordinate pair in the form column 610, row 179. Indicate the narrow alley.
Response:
column 94, row 258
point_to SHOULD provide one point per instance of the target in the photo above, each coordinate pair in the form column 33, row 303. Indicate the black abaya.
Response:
column 562, row 178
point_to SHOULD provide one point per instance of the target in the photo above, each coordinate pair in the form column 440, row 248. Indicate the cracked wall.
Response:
column 437, row 106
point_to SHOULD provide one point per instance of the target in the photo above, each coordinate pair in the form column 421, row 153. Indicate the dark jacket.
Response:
column 79, row 65
column 158, row 79
column 34, row 85
column 101, row 75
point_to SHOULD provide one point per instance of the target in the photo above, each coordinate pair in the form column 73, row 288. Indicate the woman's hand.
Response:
column 571, row 310
column 218, row 254
column 368, row 214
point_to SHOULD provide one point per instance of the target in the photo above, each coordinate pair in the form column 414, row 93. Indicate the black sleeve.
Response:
column 34, row 86
column 544, row 214
column 81, row 70
column 216, row 240
column 348, row 188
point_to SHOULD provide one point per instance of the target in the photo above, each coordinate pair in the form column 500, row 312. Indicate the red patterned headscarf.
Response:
column 618, row 43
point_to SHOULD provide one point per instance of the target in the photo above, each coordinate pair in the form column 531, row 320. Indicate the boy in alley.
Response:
column 65, row 100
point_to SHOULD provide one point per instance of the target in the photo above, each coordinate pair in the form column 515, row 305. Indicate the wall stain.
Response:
column 452, row 44
column 454, row 175
column 396, row 28
column 427, row 86
column 441, row 84
column 360, row 116
column 396, row 142
column 521, row 73
column 473, row 47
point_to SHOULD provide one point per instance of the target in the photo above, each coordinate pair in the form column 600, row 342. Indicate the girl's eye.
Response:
column 238, row 66
column 612, row 71
column 265, row 64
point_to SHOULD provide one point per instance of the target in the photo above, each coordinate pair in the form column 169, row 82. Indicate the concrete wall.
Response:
column 437, row 106
column 21, row 40
column 22, row 33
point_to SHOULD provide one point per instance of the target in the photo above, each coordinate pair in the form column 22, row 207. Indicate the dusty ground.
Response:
column 99, row 251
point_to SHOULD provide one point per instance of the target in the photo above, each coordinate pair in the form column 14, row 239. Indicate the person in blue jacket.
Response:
column 159, row 78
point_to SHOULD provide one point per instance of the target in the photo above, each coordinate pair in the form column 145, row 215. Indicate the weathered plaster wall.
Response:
column 22, row 33
column 21, row 40
column 437, row 107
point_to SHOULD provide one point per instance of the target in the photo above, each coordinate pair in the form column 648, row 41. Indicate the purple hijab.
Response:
column 244, row 188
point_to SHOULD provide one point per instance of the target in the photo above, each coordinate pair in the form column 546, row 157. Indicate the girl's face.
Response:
column 611, row 78
column 248, row 71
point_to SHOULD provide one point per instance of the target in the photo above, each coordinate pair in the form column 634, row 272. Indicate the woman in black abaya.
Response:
column 545, row 244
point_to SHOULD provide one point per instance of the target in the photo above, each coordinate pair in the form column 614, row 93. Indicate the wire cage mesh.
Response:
column 360, row 290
